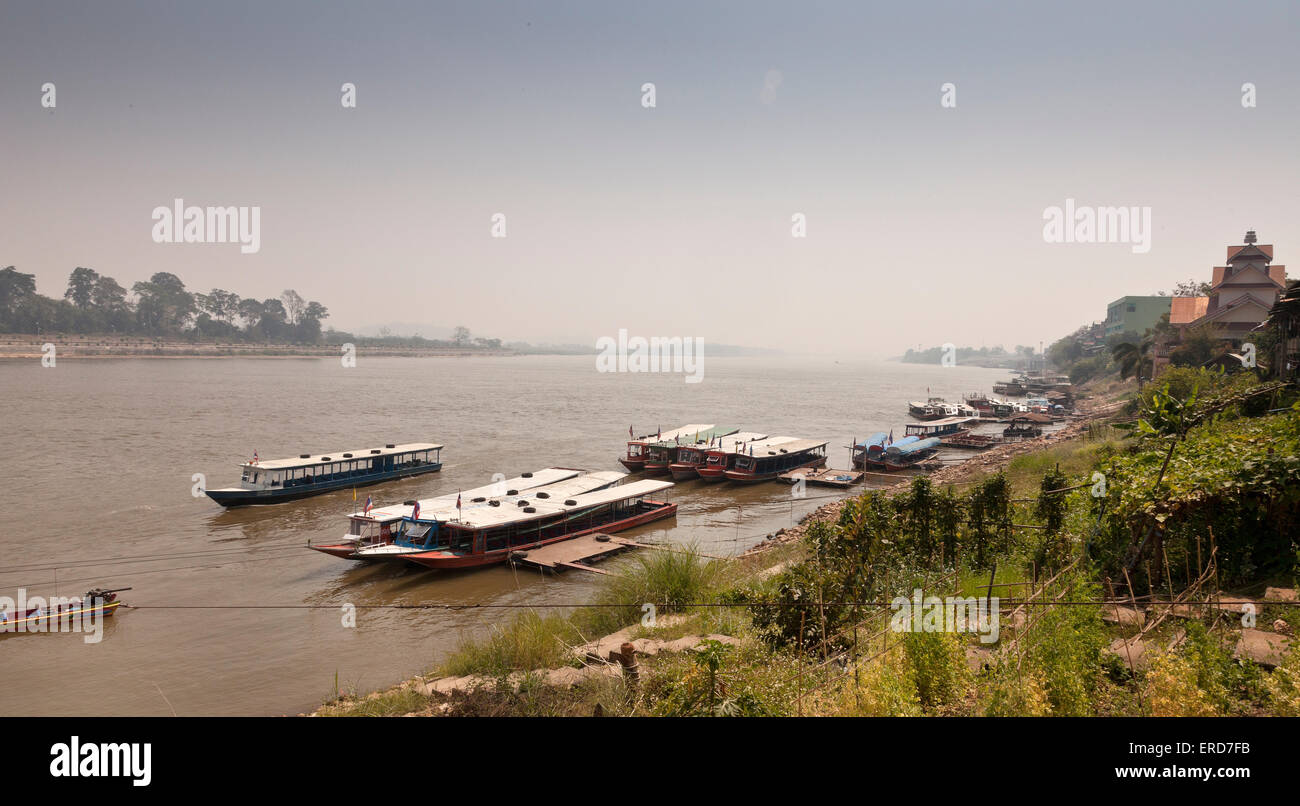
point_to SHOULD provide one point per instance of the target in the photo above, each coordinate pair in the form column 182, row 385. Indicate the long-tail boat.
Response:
column 692, row 457
column 660, row 456
column 275, row 480
column 637, row 447
column 770, row 462
column 58, row 614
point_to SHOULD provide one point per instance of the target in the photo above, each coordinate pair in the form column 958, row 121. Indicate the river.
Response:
column 235, row 615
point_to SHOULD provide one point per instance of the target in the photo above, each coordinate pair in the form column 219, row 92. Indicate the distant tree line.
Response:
column 160, row 307
column 986, row 356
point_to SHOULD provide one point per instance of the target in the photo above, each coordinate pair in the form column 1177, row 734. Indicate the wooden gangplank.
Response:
column 573, row 553
column 827, row 477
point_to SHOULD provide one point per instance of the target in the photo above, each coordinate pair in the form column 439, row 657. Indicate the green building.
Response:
column 1135, row 314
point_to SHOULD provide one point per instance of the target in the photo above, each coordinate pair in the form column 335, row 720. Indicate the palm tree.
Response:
column 1133, row 359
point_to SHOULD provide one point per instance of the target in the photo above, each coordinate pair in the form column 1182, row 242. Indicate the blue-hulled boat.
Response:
column 903, row 454
column 276, row 480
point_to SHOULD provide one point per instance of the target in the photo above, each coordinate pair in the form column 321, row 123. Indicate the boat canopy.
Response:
column 668, row 436
column 900, row 449
column 443, row 503
column 485, row 517
column 875, row 440
column 342, row 456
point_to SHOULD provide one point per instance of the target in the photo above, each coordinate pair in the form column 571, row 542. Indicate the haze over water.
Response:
column 100, row 466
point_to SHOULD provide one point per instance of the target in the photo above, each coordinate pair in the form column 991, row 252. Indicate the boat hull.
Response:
column 240, row 497
column 657, row 510
column 633, row 465
column 750, row 477
column 684, row 472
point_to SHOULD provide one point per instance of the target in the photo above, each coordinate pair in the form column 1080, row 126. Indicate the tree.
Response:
column 1191, row 288
column 15, row 289
column 81, row 287
column 460, row 335
column 108, row 295
column 1133, row 359
column 223, row 306
column 294, row 305
column 308, row 327
column 164, row 306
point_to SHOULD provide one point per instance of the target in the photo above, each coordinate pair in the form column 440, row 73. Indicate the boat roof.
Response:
column 946, row 421
column 444, row 508
column 338, row 456
column 757, row 445
column 539, row 479
column 484, row 517
column 729, row 442
column 788, row 445
column 702, row 436
column 684, row 431
column 875, row 439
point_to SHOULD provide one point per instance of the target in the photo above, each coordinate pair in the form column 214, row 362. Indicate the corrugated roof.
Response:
column 357, row 455
column 1186, row 309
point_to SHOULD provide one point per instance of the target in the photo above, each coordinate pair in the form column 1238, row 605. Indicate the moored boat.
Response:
column 769, row 462
column 692, row 457
column 272, row 481
column 378, row 526
column 660, row 456
column 947, row 428
column 419, row 530
column 719, row 460
column 931, row 409
column 901, row 456
column 638, row 447
column 491, row 534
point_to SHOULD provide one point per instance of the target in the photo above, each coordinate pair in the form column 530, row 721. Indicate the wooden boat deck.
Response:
column 826, row 476
column 573, row 553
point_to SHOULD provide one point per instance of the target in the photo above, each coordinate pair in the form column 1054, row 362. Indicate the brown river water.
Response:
column 97, row 486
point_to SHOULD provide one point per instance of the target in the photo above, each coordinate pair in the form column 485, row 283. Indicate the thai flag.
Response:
column 629, row 432
column 254, row 457
column 415, row 511
column 369, row 504
column 458, row 501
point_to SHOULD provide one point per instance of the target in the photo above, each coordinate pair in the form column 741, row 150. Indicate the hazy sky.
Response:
column 924, row 223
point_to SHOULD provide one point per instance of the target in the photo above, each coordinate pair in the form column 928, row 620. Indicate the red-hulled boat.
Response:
column 718, row 461
column 489, row 535
column 638, row 447
column 692, row 457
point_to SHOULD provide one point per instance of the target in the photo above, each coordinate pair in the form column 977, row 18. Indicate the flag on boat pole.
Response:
column 458, row 505
column 629, row 432
column 415, row 511
column 369, row 504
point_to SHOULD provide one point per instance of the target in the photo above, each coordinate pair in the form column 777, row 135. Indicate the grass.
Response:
column 528, row 641
column 670, row 580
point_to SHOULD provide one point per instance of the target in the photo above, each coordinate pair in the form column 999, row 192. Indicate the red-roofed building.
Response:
column 1240, row 297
